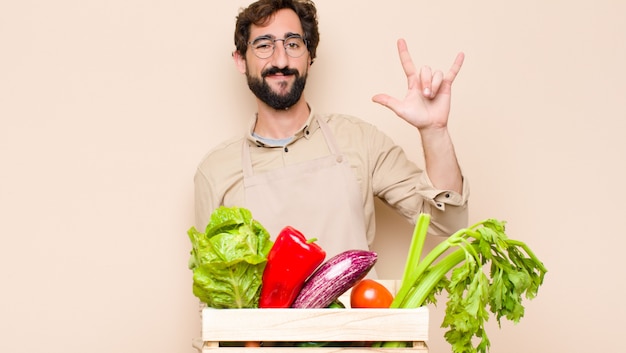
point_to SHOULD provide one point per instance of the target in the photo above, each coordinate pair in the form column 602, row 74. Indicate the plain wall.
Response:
column 106, row 107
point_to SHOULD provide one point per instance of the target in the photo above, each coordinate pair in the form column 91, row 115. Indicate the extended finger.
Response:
column 407, row 64
column 455, row 68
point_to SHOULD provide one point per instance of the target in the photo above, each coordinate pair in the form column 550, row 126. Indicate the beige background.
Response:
column 106, row 107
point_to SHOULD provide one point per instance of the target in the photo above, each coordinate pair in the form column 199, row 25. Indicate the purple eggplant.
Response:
column 334, row 277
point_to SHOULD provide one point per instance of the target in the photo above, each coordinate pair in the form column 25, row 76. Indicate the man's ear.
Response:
column 240, row 61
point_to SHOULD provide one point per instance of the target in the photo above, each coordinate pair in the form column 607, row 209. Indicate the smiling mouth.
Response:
column 276, row 72
column 278, row 76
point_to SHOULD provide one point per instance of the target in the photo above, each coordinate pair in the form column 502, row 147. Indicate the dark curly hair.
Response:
column 260, row 12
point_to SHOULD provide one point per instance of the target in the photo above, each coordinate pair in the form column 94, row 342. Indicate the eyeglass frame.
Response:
column 274, row 40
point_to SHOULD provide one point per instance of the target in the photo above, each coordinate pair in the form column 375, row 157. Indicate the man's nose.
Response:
column 280, row 57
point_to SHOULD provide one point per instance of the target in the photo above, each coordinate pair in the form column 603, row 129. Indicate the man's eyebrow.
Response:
column 263, row 36
column 291, row 34
column 271, row 36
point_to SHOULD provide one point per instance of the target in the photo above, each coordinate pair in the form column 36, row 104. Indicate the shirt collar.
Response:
column 307, row 130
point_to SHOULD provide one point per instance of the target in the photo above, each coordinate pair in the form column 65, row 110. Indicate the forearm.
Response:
column 440, row 159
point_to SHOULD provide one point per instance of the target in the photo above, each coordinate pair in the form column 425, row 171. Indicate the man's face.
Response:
column 278, row 80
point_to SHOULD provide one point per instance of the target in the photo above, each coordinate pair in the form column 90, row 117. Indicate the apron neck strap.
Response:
column 328, row 135
column 246, row 163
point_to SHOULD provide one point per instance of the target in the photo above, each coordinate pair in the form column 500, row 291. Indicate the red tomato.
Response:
column 370, row 294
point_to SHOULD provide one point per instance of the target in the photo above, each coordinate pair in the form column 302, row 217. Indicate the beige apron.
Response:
column 320, row 198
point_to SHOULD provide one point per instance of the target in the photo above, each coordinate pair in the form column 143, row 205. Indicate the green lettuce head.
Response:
column 228, row 259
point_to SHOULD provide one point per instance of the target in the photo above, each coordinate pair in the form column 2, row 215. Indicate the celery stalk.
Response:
column 412, row 278
column 417, row 244
column 431, row 279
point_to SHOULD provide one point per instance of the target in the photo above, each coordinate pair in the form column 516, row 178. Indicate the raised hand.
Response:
column 427, row 101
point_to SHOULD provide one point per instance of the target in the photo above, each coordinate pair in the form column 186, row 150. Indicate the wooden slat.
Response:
column 315, row 324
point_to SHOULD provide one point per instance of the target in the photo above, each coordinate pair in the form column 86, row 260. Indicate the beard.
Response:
column 264, row 92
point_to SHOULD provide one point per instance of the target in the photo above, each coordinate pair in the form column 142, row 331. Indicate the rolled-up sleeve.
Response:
column 448, row 209
column 405, row 187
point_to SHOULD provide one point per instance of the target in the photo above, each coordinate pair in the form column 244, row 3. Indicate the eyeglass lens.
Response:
column 264, row 47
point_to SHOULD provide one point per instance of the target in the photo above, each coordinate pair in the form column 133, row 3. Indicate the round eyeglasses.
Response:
column 263, row 47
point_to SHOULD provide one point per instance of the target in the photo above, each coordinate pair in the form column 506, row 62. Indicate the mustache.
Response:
column 275, row 70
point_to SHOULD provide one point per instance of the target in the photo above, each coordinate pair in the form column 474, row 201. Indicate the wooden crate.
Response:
column 227, row 327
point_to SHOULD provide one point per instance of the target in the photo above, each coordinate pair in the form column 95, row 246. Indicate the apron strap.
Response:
column 246, row 162
column 330, row 138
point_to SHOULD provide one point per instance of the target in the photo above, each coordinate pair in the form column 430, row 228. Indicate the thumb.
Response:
column 387, row 101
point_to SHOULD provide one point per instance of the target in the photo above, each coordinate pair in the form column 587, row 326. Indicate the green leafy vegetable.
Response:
column 513, row 272
column 228, row 259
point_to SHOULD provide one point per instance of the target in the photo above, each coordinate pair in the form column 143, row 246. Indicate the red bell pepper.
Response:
column 290, row 262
